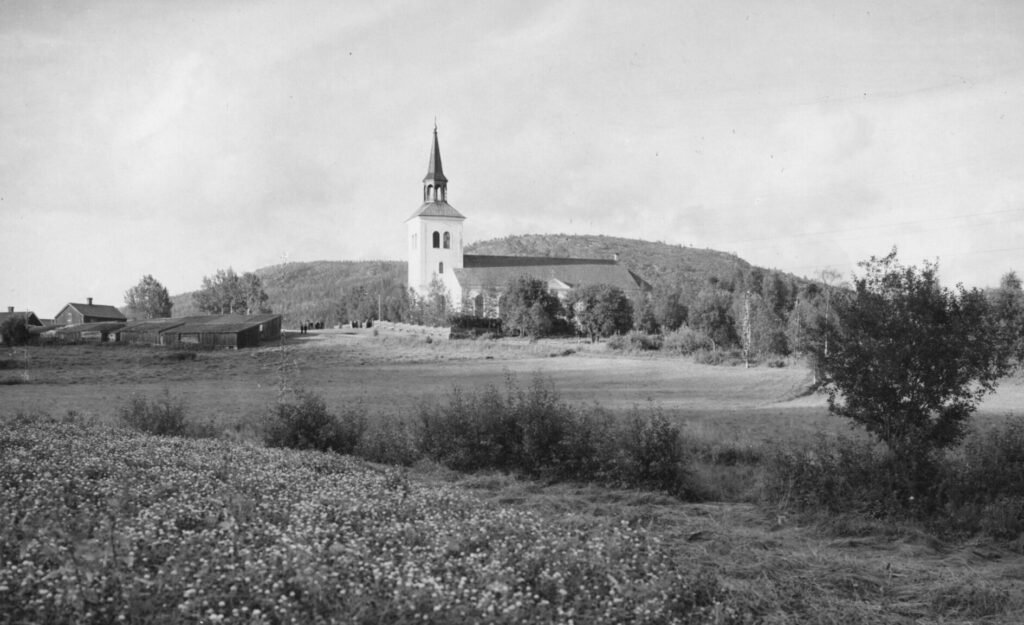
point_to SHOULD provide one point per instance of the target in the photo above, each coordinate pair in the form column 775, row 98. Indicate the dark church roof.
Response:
column 434, row 171
column 483, row 271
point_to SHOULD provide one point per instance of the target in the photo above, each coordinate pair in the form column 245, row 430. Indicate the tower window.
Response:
column 440, row 267
column 430, row 191
column 447, row 240
column 437, row 239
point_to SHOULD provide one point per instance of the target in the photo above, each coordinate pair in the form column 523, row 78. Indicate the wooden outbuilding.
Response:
column 214, row 331
column 99, row 332
column 149, row 331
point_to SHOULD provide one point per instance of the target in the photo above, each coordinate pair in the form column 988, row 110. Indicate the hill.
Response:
column 329, row 290
column 315, row 291
column 660, row 264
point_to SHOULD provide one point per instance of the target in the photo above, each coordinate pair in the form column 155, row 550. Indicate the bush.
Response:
column 308, row 425
column 14, row 331
column 717, row 357
column 833, row 475
column 635, row 341
column 389, row 440
column 162, row 417
column 654, row 452
column 534, row 432
column 976, row 488
column 487, row 429
column 983, row 484
column 686, row 341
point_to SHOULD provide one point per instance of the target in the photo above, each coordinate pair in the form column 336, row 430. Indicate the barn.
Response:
column 223, row 331
column 149, row 331
column 204, row 331
column 88, row 313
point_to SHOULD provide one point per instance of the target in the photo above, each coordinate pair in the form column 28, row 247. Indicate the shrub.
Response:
column 534, row 432
column 685, row 341
column 982, row 489
column 833, row 475
column 717, row 357
column 14, row 331
column 162, row 416
column 389, row 440
column 307, row 424
column 635, row 341
column 654, row 452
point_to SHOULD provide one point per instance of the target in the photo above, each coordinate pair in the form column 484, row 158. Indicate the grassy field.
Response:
column 766, row 565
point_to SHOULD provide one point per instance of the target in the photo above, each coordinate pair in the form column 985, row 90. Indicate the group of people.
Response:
column 306, row 326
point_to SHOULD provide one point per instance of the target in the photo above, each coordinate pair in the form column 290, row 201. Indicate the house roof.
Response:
column 96, row 310
column 30, row 317
column 480, row 271
column 436, row 208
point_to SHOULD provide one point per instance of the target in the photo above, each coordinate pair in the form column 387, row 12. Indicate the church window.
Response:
column 437, row 239
column 430, row 190
column 447, row 240
column 440, row 267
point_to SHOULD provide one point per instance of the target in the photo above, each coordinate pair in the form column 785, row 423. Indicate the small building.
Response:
column 96, row 332
column 88, row 313
column 149, row 331
column 28, row 315
column 213, row 331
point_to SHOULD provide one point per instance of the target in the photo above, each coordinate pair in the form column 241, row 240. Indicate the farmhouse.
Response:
column 473, row 282
column 28, row 315
column 88, row 313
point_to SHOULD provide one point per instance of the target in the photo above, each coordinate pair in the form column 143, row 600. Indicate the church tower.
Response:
column 434, row 234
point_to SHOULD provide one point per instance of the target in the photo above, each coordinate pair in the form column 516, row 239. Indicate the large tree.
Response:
column 600, row 310
column 1008, row 311
column 227, row 292
column 148, row 298
column 911, row 360
column 527, row 307
column 711, row 313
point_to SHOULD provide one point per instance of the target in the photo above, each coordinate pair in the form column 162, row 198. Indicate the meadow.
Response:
column 100, row 520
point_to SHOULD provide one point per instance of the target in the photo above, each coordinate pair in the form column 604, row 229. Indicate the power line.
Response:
column 881, row 226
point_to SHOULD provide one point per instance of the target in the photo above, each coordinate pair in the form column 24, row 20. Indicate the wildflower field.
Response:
column 101, row 524
column 470, row 498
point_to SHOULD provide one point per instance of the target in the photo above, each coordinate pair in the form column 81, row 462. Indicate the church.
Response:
column 473, row 281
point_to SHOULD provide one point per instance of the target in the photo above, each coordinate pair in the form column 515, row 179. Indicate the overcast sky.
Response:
column 177, row 138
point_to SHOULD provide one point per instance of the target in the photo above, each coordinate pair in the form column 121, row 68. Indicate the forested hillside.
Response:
column 658, row 263
column 339, row 291
column 323, row 290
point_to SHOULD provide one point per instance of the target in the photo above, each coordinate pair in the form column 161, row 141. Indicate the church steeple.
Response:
column 435, row 185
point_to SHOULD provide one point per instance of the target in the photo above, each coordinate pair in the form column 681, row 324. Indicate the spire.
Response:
column 435, row 185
